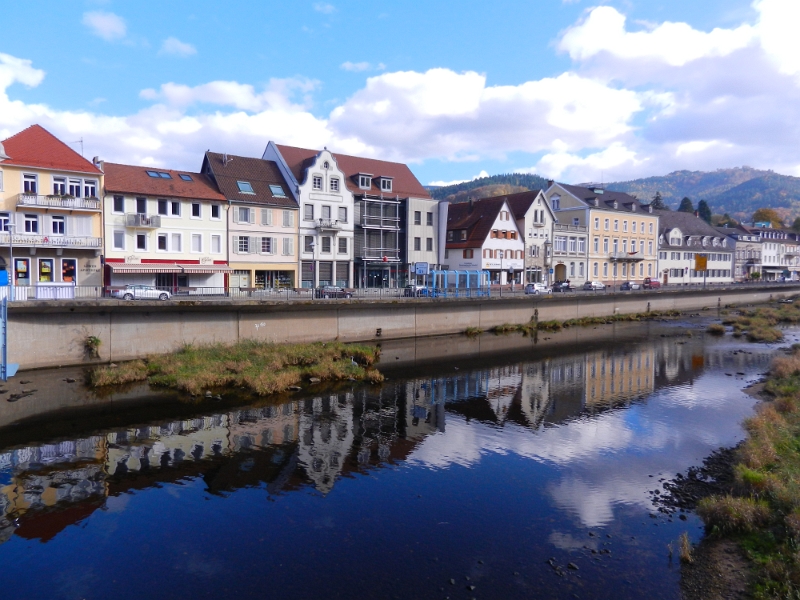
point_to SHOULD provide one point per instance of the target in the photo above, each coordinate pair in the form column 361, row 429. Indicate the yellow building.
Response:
column 49, row 203
column 615, row 378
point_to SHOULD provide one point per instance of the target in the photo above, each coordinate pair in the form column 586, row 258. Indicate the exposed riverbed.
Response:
column 495, row 467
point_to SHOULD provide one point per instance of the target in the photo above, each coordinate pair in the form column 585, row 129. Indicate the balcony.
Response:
column 328, row 224
column 143, row 221
column 392, row 255
column 625, row 257
column 60, row 202
column 52, row 241
column 379, row 222
column 537, row 224
column 573, row 228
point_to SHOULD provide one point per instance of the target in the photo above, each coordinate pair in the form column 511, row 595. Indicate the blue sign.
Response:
column 551, row 271
column 4, row 277
column 421, row 268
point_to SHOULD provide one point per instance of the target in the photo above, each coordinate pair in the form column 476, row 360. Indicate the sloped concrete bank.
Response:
column 54, row 333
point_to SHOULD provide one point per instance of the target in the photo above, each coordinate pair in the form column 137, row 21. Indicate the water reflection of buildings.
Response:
column 314, row 442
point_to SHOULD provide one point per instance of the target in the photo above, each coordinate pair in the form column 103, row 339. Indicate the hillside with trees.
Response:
column 484, row 187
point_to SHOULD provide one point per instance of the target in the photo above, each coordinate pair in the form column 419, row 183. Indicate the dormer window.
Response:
column 616, row 205
column 386, row 184
column 364, row 181
column 463, row 234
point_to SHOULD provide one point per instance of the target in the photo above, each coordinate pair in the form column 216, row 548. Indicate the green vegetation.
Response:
column 257, row 367
column 763, row 514
column 767, row 215
column 704, row 210
column 473, row 331
column 716, row 329
column 92, row 346
column 520, row 181
column 759, row 324
column 686, row 205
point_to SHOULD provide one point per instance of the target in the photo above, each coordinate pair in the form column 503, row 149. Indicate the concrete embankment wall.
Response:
column 53, row 333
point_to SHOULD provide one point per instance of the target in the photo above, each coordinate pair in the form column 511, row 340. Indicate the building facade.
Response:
column 535, row 220
column 779, row 256
column 683, row 236
column 50, row 211
column 746, row 252
column 483, row 235
column 262, row 221
column 164, row 228
column 622, row 233
column 420, row 240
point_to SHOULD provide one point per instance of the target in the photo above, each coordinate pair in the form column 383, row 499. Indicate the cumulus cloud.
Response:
column 361, row 66
column 324, row 8
column 457, row 181
column 106, row 25
column 176, row 47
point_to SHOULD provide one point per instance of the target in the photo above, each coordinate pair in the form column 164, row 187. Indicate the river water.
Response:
column 467, row 478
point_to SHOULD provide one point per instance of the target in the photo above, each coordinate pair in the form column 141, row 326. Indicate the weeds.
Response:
column 473, row 331
column 716, row 329
column 92, row 346
column 685, row 548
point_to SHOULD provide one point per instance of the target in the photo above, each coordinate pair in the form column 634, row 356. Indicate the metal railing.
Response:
column 565, row 227
column 328, row 224
column 53, row 241
column 63, row 202
column 379, row 222
column 140, row 220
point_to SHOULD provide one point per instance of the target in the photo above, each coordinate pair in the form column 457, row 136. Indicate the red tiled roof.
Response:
column 36, row 147
column 127, row 179
column 403, row 181
column 477, row 218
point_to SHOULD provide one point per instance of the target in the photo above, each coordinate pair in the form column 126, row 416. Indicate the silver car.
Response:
column 141, row 292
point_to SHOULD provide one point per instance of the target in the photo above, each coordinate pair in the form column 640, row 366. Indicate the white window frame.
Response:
column 218, row 209
column 136, row 241
column 173, row 236
column 114, row 239
column 269, row 242
column 58, row 219
column 165, row 237
column 174, row 208
column 288, row 218
column 334, row 183
column 339, row 249
column 199, row 211
column 30, row 178
column 364, row 182
column 59, row 186
column 87, row 183
column 308, row 212
column 218, row 240
column 386, row 184
column 288, row 246
column 316, row 182
column 33, row 221
column 193, row 237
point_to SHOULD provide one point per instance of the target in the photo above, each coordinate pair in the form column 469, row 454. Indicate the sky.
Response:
column 568, row 89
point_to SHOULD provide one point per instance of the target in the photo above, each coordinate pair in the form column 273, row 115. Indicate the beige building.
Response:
column 622, row 233
column 49, row 205
column 535, row 221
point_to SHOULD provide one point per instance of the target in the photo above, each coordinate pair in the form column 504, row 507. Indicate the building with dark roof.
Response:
column 779, row 251
column 262, row 221
column 483, row 235
column 622, row 233
column 746, row 252
column 52, row 210
column 682, row 238
column 164, row 227
column 535, row 221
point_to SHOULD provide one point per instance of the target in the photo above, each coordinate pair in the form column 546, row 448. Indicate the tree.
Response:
column 686, row 206
column 704, row 210
column 723, row 221
column 768, row 215
column 658, row 202
column 796, row 225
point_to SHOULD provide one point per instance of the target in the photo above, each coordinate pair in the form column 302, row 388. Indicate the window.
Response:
column 624, row 245
column 386, row 185
column 342, row 214
column 572, row 269
column 580, row 271
column 244, row 214
column 596, row 245
column 616, row 245
column 69, row 270
column 651, row 228
column 560, row 244
column 175, row 208
column 576, row 221
column 288, row 218
column 197, row 242
column 119, row 240
column 90, row 189
column 141, row 241
column 633, row 226
column 74, row 188
column 163, row 207
column 316, row 182
column 30, row 183
column 342, row 245
column 596, row 226
column 119, row 204
column 650, row 248
column 216, row 244
column 555, row 201
column 605, row 245
column 605, row 224
column 582, row 245
column 162, row 241
column 176, row 242
column 59, row 186
column 616, row 224
column 417, row 217
column 573, row 244
column 326, row 212
column 185, row 177
column 45, row 269
column 326, row 244
column 364, row 182
column 152, row 174
column 196, row 214
column 417, row 243
column 1, row 181
column 58, row 227
column 308, row 212
column 471, row 253
column 215, row 211
column 288, row 246
column 308, row 243
column 450, row 236
column 159, row 174
column 605, row 269
column 429, row 219
column 595, row 272
column 31, row 224
column 141, row 206
column 245, row 187
column 633, row 246
column 242, row 244
column 463, row 234
column 334, row 184
column 5, row 221
column 429, row 244
column 266, row 245
column 625, row 226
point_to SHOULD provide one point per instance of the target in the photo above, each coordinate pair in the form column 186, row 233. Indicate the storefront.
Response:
column 177, row 278
column 37, row 269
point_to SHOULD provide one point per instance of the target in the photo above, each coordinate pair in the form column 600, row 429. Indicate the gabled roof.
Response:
column 687, row 223
column 404, row 183
column 605, row 199
column 260, row 173
column 520, row 203
column 128, row 179
column 734, row 232
column 38, row 148
column 477, row 217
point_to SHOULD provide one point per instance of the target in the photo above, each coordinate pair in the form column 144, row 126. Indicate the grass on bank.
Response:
column 255, row 366
column 759, row 325
column 532, row 326
column 763, row 514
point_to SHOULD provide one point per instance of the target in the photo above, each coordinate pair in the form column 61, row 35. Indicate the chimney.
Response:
column 98, row 163
column 697, row 214
column 550, row 182
column 471, row 205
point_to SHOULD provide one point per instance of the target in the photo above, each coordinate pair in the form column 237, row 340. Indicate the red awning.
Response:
column 207, row 269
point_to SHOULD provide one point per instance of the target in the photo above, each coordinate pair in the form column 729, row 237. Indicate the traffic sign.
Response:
column 700, row 262
column 421, row 268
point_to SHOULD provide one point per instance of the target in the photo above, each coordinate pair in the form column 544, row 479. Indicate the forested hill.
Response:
column 496, row 185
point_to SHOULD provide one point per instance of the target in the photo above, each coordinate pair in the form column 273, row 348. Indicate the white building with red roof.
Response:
column 49, row 204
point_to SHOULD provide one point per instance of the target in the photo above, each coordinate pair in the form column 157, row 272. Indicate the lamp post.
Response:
column 11, row 294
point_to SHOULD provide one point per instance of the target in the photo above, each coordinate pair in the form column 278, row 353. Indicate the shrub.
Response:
column 716, row 329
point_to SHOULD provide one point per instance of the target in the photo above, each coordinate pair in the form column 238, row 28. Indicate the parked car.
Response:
column 594, row 285
column 536, row 288
column 562, row 286
column 651, row 284
column 331, row 291
column 413, row 291
column 630, row 285
column 141, row 292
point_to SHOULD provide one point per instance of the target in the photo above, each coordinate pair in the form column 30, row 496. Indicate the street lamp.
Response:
column 10, row 226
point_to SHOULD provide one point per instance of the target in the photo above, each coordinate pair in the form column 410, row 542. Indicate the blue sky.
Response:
column 568, row 89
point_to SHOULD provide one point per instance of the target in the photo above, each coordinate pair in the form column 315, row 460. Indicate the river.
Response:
column 523, row 472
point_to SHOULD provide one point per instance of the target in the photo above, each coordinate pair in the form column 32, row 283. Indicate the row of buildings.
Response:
column 299, row 218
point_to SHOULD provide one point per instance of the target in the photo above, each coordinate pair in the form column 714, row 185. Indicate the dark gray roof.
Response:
column 605, row 199
column 688, row 223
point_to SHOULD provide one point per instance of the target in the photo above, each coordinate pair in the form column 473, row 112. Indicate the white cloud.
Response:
column 457, row 181
column 359, row 66
column 106, row 25
column 176, row 47
column 324, row 8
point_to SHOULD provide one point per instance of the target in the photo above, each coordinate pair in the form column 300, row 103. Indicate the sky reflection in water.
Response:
column 386, row 493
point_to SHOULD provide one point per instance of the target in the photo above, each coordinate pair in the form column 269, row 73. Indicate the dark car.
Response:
column 630, row 285
column 651, row 284
column 562, row 286
column 330, row 291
